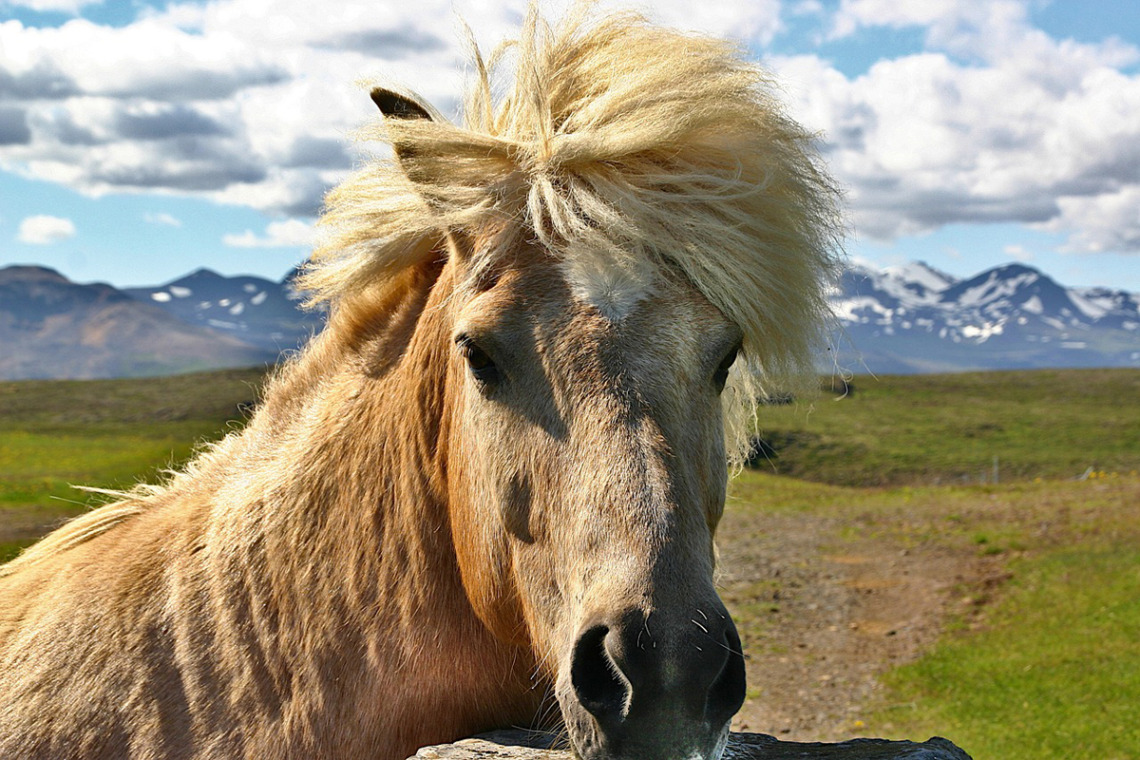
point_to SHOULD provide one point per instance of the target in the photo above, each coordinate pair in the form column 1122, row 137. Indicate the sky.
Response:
column 143, row 139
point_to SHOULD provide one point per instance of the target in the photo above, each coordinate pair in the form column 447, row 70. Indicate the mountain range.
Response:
column 908, row 319
column 51, row 327
column 914, row 319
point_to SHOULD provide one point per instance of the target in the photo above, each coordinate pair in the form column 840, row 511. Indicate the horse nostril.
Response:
column 727, row 693
column 595, row 677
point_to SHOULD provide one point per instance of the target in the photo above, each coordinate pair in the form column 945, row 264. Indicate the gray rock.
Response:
column 529, row 745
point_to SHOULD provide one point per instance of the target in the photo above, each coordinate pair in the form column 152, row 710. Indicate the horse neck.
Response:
column 346, row 451
column 330, row 533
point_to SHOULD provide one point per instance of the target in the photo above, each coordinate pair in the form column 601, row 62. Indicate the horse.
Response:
column 487, row 493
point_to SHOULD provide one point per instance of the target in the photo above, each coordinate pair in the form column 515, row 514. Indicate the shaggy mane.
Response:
column 623, row 141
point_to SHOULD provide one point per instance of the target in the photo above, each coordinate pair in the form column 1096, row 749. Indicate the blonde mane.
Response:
column 626, row 142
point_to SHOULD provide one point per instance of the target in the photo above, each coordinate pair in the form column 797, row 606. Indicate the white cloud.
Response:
column 757, row 21
column 220, row 101
column 162, row 218
column 45, row 230
column 979, row 31
column 1100, row 223
column 285, row 234
column 974, row 28
column 855, row 14
column 1040, row 132
column 224, row 99
column 148, row 58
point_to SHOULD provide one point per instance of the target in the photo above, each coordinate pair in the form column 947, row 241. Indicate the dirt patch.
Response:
column 823, row 615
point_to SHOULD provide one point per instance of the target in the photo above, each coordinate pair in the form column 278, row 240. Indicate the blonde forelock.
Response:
column 622, row 139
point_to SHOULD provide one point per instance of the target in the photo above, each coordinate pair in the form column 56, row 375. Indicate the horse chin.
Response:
column 721, row 743
column 591, row 742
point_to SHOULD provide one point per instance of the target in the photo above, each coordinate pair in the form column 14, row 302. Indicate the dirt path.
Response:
column 823, row 614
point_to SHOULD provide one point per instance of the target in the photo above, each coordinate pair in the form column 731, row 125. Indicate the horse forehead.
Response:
column 660, row 331
column 612, row 287
column 636, row 305
column 631, row 307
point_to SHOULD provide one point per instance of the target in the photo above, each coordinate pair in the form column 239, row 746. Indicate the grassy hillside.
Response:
column 103, row 433
column 931, row 429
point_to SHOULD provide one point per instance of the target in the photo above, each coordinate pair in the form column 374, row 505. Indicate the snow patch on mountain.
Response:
column 1088, row 306
column 995, row 287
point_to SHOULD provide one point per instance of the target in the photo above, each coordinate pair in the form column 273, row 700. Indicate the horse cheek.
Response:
column 485, row 567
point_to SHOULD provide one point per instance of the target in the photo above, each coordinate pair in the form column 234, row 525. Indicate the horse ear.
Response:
column 395, row 104
column 403, row 105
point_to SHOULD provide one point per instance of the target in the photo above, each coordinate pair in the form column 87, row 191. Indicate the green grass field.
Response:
column 1051, row 671
column 1048, row 667
column 932, row 429
column 102, row 433
column 1054, row 669
column 1056, row 674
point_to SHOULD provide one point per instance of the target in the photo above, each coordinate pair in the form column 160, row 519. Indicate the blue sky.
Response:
column 139, row 141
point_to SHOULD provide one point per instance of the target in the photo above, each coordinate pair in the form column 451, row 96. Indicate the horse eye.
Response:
column 478, row 361
column 720, row 377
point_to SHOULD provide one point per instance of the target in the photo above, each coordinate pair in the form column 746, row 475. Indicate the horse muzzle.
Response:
column 653, row 686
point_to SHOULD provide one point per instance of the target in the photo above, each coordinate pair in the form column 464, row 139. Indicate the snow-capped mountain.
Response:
column 255, row 310
column 917, row 319
column 51, row 327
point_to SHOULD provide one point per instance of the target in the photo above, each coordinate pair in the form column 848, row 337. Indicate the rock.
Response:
column 530, row 745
